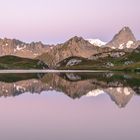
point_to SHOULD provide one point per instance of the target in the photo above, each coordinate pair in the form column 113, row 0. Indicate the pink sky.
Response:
column 54, row 21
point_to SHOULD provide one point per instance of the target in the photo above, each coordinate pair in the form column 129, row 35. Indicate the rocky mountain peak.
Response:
column 18, row 48
column 127, row 33
column 10, row 42
column 126, row 28
column 124, row 39
column 76, row 46
column 76, row 40
column 37, row 43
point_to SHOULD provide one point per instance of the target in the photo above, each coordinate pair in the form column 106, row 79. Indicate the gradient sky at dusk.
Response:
column 54, row 21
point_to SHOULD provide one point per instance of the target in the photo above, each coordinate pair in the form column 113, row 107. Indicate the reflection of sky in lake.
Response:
column 53, row 115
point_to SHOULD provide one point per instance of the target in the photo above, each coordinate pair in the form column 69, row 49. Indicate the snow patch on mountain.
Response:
column 19, row 48
column 121, row 46
column 129, row 44
column 126, row 45
column 96, row 42
column 73, row 62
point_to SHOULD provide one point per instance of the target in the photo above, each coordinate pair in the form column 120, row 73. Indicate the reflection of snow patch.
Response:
column 109, row 75
column 6, row 91
column 18, row 88
column 119, row 89
column 35, row 81
column 71, row 76
column 126, row 91
column 95, row 93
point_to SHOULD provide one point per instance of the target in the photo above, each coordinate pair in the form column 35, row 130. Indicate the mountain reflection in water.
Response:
column 119, row 86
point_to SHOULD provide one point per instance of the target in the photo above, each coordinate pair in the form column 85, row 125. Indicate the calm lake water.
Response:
column 70, row 106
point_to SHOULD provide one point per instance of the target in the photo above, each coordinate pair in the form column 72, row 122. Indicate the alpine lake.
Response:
column 69, row 105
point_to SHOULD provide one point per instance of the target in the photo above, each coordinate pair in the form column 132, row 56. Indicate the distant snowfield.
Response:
column 52, row 71
column 96, row 42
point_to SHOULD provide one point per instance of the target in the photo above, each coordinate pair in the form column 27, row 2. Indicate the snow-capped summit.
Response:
column 124, row 39
column 96, row 42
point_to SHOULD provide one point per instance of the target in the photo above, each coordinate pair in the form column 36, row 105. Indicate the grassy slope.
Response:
column 14, row 62
column 101, row 63
column 134, row 57
column 85, row 64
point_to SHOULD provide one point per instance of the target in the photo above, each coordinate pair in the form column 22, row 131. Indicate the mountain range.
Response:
column 79, row 53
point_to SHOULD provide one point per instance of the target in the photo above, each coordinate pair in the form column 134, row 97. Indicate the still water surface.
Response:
column 70, row 106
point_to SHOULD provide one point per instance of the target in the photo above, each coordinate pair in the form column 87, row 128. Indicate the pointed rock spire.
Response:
column 123, row 39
